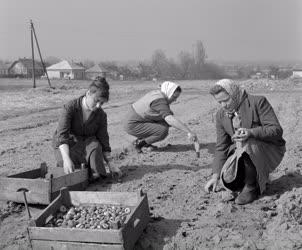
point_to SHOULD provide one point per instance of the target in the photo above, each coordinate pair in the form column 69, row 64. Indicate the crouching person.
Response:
column 150, row 117
column 249, row 142
column 81, row 135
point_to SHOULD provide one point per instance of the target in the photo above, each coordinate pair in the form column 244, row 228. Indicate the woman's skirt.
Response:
column 265, row 157
column 143, row 129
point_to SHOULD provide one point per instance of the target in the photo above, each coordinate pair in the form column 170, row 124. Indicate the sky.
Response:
column 121, row 30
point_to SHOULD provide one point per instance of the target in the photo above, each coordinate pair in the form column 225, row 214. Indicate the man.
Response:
column 82, row 135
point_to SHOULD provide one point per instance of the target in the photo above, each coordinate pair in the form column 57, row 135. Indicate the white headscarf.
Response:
column 168, row 88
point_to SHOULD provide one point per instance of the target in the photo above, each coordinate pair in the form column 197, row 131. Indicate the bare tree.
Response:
column 186, row 64
column 199, row 57
column 146, row 70
column 160, row 64
column 199, row 54
column 88, row 63
column 50, row 60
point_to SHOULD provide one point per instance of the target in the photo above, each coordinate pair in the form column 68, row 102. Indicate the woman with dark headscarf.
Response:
column 150, row 117
column 247, row 128
column 81, row 135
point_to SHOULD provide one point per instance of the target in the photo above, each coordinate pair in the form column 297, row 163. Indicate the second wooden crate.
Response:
column 43, row 184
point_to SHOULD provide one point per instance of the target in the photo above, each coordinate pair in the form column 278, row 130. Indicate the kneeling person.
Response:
column 81, row 135
column 246, row 126
column 150, row 117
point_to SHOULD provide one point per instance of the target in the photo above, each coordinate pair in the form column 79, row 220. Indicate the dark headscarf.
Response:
column 236, row 93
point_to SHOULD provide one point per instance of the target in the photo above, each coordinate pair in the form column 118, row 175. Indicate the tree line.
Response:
column 187, row 66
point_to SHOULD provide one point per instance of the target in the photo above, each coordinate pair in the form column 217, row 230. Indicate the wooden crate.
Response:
column 43, row 184
column 57, row 238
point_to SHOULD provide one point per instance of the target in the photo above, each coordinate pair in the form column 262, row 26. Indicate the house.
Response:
column 24, row 68
column 4, row 69
column 297, row 72
column 66, row 70
column 95, row 71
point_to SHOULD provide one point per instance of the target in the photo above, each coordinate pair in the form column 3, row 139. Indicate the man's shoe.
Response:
column 96, row 177
column 247, row 195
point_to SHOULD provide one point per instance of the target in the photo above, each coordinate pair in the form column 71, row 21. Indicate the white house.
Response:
column 297, row 73
column 23, row 67
column 95, row 71
column 66, row 70
column 4, row 69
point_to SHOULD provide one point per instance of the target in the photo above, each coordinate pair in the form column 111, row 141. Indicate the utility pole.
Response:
column 33, row 35
column 32, row 54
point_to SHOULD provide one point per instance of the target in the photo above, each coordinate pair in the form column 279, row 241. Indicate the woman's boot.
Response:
column 139, row 144
column 250, row 190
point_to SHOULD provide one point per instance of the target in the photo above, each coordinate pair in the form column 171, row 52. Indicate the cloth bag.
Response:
column 230, row 167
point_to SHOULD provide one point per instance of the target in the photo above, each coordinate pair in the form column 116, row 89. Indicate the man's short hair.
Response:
column 100, row 84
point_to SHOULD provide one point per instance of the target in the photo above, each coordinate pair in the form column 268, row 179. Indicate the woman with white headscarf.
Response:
column 150, row 117
column 249, row 142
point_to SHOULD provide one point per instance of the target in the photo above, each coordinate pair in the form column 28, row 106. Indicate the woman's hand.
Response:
column 212, row 184
column 174, row 122
column 242, row 134
column 106, row 156
column 68, row 166
column 192, row 137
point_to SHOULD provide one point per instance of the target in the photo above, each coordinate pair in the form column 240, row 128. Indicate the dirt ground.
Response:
column 183, row 216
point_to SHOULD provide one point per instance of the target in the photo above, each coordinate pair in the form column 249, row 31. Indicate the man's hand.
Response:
column 212, row 184
column 68, row 166
column 115, row 171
